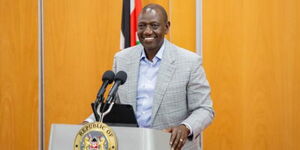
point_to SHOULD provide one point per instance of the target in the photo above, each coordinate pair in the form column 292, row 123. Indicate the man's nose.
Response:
column 148, row 30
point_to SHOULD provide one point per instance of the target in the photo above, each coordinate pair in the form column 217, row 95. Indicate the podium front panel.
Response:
column 62, row 138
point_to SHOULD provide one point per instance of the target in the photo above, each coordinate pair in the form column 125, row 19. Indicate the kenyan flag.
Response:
column 130, row 12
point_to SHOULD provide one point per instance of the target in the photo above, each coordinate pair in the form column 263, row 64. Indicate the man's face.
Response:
column 152, row 28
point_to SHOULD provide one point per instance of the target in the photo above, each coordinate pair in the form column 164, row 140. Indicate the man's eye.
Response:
column 141, row 26
column 155, row 26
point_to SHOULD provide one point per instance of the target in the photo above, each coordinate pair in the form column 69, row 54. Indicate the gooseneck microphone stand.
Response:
column 119, row 79
column 103, row 114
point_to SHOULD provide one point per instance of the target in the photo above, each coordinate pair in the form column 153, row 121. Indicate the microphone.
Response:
column 120, row 79
column 107, row 78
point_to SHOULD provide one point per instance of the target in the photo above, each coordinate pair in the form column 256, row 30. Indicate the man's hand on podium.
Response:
column 179, row 136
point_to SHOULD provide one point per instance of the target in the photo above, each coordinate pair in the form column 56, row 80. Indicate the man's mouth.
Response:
column 148, row 39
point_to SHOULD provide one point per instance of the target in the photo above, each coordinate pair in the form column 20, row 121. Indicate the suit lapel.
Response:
column 165, row 74
column 133, row 68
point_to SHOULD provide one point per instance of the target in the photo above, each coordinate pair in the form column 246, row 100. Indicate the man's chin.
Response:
column 149, row 47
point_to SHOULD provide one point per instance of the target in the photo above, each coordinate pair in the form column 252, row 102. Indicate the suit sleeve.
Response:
column 198, row 99
column 117, row 99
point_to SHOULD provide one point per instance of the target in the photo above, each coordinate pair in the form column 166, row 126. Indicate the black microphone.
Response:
column 120, row 79
column 107, row 78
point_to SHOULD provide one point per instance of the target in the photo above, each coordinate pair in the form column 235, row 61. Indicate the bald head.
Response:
column 157, row 8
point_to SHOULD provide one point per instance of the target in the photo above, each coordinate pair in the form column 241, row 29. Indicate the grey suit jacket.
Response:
column 182, row 92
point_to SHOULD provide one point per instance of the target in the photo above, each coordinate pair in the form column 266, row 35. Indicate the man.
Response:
column 166, row 84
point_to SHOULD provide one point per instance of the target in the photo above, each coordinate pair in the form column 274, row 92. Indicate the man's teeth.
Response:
column 149, row 38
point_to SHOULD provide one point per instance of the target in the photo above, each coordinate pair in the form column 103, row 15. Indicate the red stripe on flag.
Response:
column 133, row 21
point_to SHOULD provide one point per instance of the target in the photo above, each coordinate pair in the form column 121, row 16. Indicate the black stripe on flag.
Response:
column 126, row 22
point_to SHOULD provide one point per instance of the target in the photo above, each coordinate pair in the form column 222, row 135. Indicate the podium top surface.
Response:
column 63, row 135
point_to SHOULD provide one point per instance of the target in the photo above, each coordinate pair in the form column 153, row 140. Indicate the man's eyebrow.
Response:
column 148, row 22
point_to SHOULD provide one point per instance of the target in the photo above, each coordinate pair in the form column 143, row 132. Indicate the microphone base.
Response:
column 94, row 108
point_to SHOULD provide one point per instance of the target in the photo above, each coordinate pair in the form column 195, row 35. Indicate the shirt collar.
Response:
column 158, row 55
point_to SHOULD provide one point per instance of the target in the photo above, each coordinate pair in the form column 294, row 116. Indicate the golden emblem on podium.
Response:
column 95, row 136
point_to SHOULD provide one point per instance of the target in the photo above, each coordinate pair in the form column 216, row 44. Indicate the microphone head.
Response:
column 121, row 76
column 108, row 76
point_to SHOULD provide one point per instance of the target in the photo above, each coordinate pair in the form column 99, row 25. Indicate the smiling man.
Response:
column 166, row 84
column 152, row 27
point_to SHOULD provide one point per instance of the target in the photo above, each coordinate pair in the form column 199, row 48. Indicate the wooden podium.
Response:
column 128, row 138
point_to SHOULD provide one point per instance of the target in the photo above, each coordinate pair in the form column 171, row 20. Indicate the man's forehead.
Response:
column 150, row 13
column 150, row 10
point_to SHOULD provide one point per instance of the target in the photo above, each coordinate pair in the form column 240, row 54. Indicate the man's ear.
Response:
column 168, row 24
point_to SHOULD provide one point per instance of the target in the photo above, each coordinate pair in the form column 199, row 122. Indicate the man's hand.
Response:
column 179, row 136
